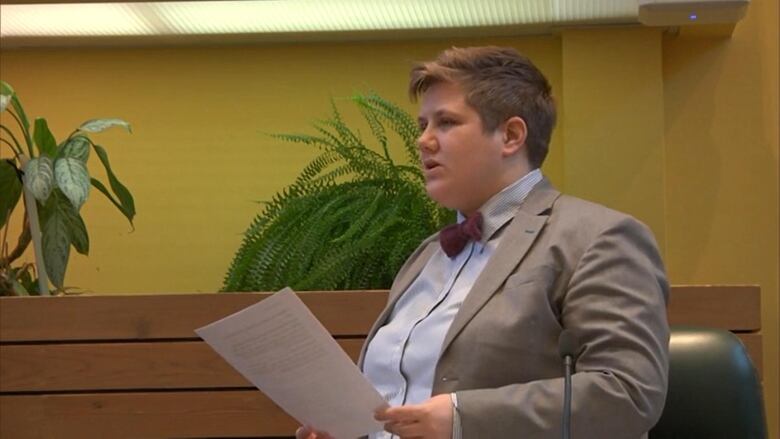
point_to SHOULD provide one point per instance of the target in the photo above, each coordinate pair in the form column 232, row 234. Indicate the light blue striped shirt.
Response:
column 401, row 358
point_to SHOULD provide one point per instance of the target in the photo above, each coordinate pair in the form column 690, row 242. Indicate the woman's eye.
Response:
column 446, row 122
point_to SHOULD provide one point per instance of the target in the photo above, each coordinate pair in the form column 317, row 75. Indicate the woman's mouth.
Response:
column 429, row 164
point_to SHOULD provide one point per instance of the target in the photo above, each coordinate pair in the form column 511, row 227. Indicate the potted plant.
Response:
column 350, row 219
column 53, row 180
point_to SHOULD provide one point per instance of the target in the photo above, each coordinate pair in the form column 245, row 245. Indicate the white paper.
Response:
column 281, row 348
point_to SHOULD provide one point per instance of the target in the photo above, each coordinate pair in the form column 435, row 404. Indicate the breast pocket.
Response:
column 543, row 274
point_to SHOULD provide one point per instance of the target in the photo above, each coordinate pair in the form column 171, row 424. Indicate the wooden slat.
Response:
column 147, row 317
column 144, row 317
column 174, row 365
column 143, row 415
column 178, row 360
column 121, row 366
column 151, row 415
column 736, row 308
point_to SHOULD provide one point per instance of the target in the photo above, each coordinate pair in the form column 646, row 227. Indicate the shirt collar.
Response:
column 501, row 207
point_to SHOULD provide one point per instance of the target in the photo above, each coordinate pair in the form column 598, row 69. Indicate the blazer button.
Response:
column 444, row 378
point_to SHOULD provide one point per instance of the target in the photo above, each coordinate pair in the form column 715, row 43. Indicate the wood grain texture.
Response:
column 167, row 366
column 149, row 317
column 121, row 366
column 132, row 367
column 736, row 308
column 240, row 413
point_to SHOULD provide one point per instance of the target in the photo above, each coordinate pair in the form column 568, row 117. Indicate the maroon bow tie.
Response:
column 455, row 236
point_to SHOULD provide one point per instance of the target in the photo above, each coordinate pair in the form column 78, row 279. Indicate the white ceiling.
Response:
column 290, row 20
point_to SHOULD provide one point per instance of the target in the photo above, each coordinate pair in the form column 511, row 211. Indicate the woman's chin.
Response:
column 443, row 196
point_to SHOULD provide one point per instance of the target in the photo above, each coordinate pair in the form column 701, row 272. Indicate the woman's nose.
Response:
column 427, row 141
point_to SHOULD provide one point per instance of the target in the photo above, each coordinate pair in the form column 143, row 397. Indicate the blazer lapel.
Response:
column 520, row 234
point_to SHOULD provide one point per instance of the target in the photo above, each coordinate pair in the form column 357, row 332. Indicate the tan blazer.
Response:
column 562, row 263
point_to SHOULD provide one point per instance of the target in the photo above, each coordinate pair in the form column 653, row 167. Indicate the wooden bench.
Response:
column 132, row 367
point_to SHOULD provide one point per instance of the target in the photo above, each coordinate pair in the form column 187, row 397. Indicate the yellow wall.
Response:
column 199, row 156
column 681, row 132
column 614, row 121
column 721, row 111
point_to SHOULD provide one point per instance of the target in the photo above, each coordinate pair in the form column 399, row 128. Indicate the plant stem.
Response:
column 35, row 229
column 21, row 245
column 18, row 149
column 25, row 132
column 25, row 129
column 4, row 250
column 11, row 147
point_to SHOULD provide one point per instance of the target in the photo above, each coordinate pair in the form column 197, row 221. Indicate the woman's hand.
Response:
column 430, row 420
column 306, row 432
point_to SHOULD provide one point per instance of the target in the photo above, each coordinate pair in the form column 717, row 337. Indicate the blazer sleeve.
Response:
column 615, row 302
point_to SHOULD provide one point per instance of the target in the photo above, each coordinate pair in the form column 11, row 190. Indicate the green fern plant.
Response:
column 350, row 219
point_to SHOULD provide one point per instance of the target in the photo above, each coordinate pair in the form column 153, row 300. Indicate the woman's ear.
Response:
column 515, row 134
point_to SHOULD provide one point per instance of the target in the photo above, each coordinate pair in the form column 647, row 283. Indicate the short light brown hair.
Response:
column 499, row 83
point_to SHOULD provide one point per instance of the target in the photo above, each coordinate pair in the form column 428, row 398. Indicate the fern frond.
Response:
column 352, row 216
column 399, row 120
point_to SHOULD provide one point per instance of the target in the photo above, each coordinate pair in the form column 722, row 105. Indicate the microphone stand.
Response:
column 568, row 350
column 567, row 364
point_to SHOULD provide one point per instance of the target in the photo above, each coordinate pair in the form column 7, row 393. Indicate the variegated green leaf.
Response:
column 4, row 101
column 6, row 94
column 61, row 226
column 10, row 188
column 76, row 148
column 99, row 125
column 7, row 90
column 39, row 177
column 73, row 179
column 56, row 239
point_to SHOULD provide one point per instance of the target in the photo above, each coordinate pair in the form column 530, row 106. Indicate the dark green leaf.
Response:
column 10, row 190
column 56, row 243
column 29, row 283
column 102, row 188
column 78, row 235
column 18, row 289
column 122, row 193
column 44, row 138
column 61, row 226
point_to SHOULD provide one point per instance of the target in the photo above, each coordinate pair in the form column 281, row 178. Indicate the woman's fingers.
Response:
column 306, row 432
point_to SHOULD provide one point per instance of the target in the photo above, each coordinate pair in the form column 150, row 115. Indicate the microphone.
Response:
column 568, row 348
